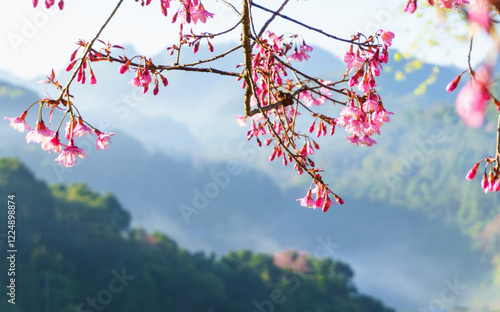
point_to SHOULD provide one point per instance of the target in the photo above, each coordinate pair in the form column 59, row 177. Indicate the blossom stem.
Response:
column 87, row 50
column 471, row 72
column 269, row 21
column 62, row 119
column 40, row 112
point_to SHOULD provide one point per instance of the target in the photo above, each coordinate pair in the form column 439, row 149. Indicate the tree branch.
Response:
column 247, row 51
column 269, row 21
column 307, row 26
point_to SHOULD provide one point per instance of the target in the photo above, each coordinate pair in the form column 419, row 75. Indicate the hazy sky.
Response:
column 34, row 41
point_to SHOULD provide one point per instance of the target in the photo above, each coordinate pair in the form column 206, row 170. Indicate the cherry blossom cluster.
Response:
column 322, row 197
column 76, row 126
column 49, row 139
column 491, row 178
column 362, row 115
column 145, row 70
column 188, row 11
column 271, row 87
column 146, row 73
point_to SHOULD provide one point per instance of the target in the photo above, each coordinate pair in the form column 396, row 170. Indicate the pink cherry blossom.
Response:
column 165, row 4
column 53, row 144
column 387, row 37
column 200, row 14
column 40, row 134
column 307, row 201
column 353, row 60
column 145, row 78
column 411, row 6
column 480, row 15
column 67, row 157
column 81, row 129
column 496, row 186
column 354, row 139
column 367, row 141
column 472, row 100
column 19, row 123
column 370, row 106
column 301, row 53
column 103, row 139
column 241, row 120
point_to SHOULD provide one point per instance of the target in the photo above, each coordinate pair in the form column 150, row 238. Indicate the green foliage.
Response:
column 75, row 243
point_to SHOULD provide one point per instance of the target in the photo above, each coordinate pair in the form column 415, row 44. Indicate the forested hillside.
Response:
column 76, row 249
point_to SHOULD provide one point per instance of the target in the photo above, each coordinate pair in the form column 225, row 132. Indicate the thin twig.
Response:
column 213, row 58
column 310, row 27
column 230, row 6
column 471, row 72
column 269, row 21
column 208, row 35
column 183, row 67
column 87, row 50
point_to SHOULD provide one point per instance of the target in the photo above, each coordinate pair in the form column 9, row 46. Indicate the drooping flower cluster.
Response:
column 362, row 118
column 276, row 100
column 188, row 11
column 143, row 74
column 322, row 197
column 491, row 178
column 364, row 113
column 49, row 139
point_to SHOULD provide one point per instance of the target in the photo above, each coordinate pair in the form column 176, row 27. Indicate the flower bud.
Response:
column 472, row 172
column 453, row 84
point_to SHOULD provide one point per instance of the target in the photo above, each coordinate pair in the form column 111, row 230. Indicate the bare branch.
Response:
column 87, row 50
column 307, row 26
column 213, row 58
column 230, row 6
column 269, row 21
